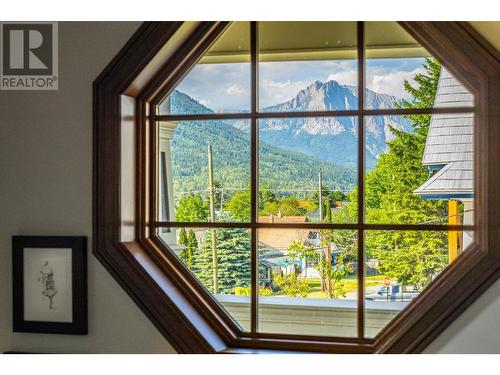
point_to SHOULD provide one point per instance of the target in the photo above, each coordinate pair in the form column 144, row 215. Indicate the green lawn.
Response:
column 350, row 285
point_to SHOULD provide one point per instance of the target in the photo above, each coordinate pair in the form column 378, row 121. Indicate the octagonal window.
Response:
column 315, row 177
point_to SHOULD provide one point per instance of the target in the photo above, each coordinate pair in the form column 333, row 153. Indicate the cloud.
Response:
column 235, row 89
column 348, row 77
column 274, row 92
column 205, row 102
column 390, row 82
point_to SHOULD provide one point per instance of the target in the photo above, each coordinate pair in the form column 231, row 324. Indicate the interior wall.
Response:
column 476, row 330
column 46, row 189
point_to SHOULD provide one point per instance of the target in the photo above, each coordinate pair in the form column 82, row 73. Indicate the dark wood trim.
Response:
column 458, row 286
column 178, row 306
column 183, row 61
column 172, row 72
column 188, row 224
column 350, row 113
column 172, row 316
column 254, row 174
column 361, row 181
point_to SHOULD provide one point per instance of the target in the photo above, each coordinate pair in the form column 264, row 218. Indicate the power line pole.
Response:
column 211, row 192
column 320, row 201
column 221, row 199
column 320, row 195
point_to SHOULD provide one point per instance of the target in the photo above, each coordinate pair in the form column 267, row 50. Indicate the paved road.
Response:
column 368, row 290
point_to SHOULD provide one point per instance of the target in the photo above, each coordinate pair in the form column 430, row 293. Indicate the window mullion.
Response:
column 361, row 178
column 254, row 174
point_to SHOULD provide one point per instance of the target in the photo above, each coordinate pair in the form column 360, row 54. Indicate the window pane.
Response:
column 307, row 66
column 296, row 157
column 190, row 152
column 422, row 171
column 220, row 82
column 400, row 264
column 393, row 57
column 307, row 282
column 203, row 250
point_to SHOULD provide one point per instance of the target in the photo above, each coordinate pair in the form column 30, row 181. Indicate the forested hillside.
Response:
column 279, row 168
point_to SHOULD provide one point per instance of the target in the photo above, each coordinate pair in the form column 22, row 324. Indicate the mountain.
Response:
column 333, row 139
column 280, row 168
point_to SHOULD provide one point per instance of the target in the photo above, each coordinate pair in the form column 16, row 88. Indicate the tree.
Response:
column 182, row 239
column 413, row 258
column 239, row 205
column 285, row 206
column 188, row 239
column 291, row 285
column 332, row 195
column 191, row 207
column 334, row 274
column 218, row 191
column 332, row 271
column 265, row 195
column 327, row 209
column 233, row 256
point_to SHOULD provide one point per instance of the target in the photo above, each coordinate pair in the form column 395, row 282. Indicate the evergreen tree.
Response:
column 413, row 258
column 327, row 210
column 188, row 239
column 234, row 260
column 265, row 195
column 182, row 240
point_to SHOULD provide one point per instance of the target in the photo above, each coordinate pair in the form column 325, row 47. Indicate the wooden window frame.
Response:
column 183, row 311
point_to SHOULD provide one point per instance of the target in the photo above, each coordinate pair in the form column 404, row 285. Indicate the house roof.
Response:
column 455, row 179
column 449, row 143
column 281, row 239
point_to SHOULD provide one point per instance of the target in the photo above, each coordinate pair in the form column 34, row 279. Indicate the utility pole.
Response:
column 320, row 199
column 221, row 199
column 211, row 192
column 320, row 195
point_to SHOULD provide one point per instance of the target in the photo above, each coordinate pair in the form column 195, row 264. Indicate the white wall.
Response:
column 476, row 330
column 45, row 189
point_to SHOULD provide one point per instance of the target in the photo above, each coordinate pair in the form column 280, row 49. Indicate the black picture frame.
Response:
column 32, row 251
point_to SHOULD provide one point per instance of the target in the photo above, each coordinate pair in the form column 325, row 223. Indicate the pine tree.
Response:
column 413, row 258
column 328, row 210
column 182, row 240
column 234, row 260
column 188, row 239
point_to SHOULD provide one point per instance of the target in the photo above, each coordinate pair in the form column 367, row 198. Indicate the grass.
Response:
column 350, row 285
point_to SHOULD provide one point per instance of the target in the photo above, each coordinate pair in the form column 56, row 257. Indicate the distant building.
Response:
column 274, row 243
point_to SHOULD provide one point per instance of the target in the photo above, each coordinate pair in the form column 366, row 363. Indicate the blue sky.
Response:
column 227, row 86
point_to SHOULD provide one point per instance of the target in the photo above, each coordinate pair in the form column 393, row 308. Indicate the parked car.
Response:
column 392, row 293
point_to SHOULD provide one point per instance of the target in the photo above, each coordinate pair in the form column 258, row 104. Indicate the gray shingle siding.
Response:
column 456, row 178
column 450, row 142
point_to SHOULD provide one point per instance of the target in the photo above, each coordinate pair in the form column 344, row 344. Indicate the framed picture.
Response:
column 50, row 284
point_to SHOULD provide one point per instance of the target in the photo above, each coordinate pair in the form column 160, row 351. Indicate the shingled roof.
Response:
column 449, row 144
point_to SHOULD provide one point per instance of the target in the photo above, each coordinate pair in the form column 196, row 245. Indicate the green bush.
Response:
column 247, row 291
